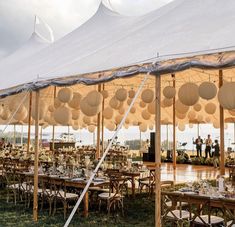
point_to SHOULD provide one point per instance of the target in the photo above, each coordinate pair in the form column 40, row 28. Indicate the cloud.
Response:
column 17, row 17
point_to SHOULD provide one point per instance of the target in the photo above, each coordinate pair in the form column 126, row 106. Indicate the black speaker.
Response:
column 152, row 143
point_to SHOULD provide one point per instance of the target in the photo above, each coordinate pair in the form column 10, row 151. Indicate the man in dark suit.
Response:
column 198, row 143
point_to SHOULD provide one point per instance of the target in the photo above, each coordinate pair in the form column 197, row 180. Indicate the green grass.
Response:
column 138, row 212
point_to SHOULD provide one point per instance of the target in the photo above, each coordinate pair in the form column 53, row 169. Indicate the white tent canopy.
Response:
column 108, row 42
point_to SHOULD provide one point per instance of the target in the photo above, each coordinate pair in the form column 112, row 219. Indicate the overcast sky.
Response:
column 17, row 16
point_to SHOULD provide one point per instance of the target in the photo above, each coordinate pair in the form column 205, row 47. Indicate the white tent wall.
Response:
column 108, row 41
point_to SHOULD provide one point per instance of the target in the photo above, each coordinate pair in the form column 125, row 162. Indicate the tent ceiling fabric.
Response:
column 181, row 35
column 138, row 115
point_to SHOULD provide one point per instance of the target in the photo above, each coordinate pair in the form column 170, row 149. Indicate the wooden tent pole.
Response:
column 102, row 123
column 41, row 136
column 22, row 136
column 98, row 130
column 14, row 136
column 167, row 137
column 35, row 191
column 53, row 128
column 221, row 116
column 29, row 121
column 158, row 151
column 174, row 128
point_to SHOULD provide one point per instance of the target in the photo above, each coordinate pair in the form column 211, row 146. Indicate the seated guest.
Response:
column 2, row 143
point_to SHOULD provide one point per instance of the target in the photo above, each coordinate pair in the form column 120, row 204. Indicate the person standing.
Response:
column 199, row 143
column 208, row 147
column 216, row 155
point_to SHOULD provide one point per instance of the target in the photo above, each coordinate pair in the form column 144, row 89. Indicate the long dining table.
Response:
column 78, row 183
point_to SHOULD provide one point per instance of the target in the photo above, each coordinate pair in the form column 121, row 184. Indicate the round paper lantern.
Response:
column 190, row 125
column 147, row 95
column 181, row 127
column 121, row 94
column 232, row 112
column 180, row 107
column 142, row 104
column 57, row 103
column 15, row 104
column 94, row 120
column 126, row 126
column 5, row 114
column 191, row 115
column 180, row 115
column 94, row 98
column 129, row 102
column 127, row 121
column 87, row 109
column 62, row 115
column 207, row 90
column 51, row 108
column 188, row 94
column 200, row 118
column 86, row 120
column 65, row 94
column 105, row 94
column 108, row 113
column 91, row 128
column 167, row 102
column 226, row 96
column 118, row 119
column 135, row 123
column 75, row 115
column 20, row 116
column 216, row 124
column 145, row 115
column 42, row 110
column 169, row 92
column 210, row 108
column 197, row 107
column 151, row 107
column 121, row 110
column 143, row 127
column 75, row 102
column 133, row 109
column 75, row 127
column 114, row 103
column 111, row 126
column 207, row 119
column 131, row 94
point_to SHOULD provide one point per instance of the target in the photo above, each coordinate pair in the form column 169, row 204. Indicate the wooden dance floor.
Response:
column 186, row 173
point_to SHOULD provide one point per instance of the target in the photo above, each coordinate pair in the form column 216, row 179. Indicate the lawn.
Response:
column 138, row 212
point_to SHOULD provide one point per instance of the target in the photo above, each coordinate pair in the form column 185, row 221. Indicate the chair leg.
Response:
column 65, row 209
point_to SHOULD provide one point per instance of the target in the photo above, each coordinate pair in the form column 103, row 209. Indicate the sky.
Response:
column 63, row 16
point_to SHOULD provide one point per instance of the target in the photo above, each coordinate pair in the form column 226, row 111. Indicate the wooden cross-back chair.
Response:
column 114, row 197
column 229, row 211
column 200, row 211
column 172, row 208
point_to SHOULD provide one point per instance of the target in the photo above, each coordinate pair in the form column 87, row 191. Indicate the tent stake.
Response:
column 174, row 129
column 221, row 117
column 35, row 191
column 158, row 151
column 29, row 121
